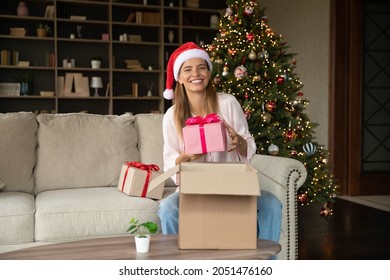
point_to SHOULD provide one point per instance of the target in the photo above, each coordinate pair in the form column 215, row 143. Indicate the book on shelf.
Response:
column 9, row 57
column 134, row 89
column 133, row 64
column 4, row 57
column 130, row 17
column 108, row 89
column 78, row 82
column 147, row 17
column 9, row 89
column 18, row 31
column 49, row 59
column 60, row 85
column 24, row 63
column 49, row 12
column 76, row 85
column 134, row 38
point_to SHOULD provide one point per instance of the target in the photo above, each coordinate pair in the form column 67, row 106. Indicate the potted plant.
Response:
column 42, row 29
column 26, row 83
column 96, row 62
column 141, row 232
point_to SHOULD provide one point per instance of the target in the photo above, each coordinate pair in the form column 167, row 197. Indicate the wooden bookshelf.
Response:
column 117, row 31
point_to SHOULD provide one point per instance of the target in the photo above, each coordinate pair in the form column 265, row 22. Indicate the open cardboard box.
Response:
column 217, row 205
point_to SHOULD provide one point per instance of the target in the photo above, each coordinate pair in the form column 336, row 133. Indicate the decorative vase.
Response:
column 41, row 32
column 22, row 9
column 142, row 243
column 26, row 88
column 95, row 64
column 214, row 21
column 171, row 36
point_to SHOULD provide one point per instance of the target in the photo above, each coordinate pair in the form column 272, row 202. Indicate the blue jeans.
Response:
column 269, row 215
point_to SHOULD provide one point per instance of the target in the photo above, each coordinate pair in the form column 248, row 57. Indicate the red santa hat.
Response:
column 178, row 57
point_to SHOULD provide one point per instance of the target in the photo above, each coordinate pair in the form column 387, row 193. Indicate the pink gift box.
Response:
column 136, row 179
column 204, row 137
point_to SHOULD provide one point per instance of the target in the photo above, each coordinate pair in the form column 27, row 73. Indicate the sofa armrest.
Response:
column 283, row 177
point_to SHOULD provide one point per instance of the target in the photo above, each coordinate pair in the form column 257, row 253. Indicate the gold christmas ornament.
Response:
column 252, row 55
column 265, row 117
column 256, row 78
column 225, row 71
column 218, row 60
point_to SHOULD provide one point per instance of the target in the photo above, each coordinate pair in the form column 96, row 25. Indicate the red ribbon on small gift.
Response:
column 147, row 167
column 201, row 121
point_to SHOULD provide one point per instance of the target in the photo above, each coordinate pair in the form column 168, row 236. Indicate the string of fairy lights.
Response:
column 251, row 62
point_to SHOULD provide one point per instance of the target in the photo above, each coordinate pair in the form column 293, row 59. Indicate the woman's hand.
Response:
column 184, row 158
column 237, row 143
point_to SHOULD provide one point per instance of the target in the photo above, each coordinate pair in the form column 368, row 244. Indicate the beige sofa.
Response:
column 59, row 176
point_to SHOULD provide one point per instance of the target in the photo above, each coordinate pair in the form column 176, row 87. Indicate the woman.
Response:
column 194, row 95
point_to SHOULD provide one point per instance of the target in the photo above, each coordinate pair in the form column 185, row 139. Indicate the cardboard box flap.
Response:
column 219, row 178
column 163, row 177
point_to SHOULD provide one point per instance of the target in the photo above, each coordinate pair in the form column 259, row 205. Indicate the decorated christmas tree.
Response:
column 252, row 62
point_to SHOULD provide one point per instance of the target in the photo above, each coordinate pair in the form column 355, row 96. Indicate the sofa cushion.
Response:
column 17, row 150
column 150, row 139
column 16, row 217
column 89, row 212
column 83, row 150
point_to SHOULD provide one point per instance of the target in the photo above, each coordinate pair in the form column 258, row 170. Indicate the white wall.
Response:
column 304, row 25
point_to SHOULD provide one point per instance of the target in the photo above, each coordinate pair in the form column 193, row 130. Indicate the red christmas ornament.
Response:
column 302, row 198
column 270, row 106
column 325, row 211
column 280, row 80
column 217, row 80
column 232, row 52
column 290, row 135
column 300, row 93
column 293, row 153
column 250, row 36
column 269, row 31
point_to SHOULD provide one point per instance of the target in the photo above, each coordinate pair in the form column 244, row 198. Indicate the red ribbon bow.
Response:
column 211, row 118
column 147, row 167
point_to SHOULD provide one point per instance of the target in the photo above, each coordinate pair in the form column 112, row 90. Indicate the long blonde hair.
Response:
column 182, row 107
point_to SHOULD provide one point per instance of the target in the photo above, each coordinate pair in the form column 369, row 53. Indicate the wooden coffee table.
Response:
column 162, row 247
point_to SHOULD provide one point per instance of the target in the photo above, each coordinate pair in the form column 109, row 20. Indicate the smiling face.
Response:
column 194, row 75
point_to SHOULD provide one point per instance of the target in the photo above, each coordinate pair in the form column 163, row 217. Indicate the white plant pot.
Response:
column 95, row 64
column 142, row 243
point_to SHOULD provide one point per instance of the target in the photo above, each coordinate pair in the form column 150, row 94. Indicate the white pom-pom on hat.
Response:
column 178, row 57
column 168, row 94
